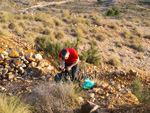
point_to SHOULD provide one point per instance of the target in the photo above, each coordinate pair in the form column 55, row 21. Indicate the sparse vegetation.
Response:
column 114, row 61
column 12, row 105
column 137, row 90
column 59, row 98
column 59, row 34
column 101, row 37
column 92, row 56
column 114, row 11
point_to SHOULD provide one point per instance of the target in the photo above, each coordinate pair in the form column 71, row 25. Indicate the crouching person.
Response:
column 70, row 61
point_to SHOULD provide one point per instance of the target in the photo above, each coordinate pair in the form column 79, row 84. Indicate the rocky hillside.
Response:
column 22, row 69
column 32, row 31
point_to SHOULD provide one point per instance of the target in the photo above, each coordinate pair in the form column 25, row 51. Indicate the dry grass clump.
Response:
column 49, row 23
column 41, row 16
column 29, row 36
column 38, row 28
column 114, row 26
column 138, row 32
column 22, row 24
column 147, row 36
column 94, row 30
column 97, row 22
column 101, row 37
column 58, row 22
column 78, row 32
column 29, row 17
column 59, row 34
column 5, row 32
column 47, row 31
column 127, row 34
column 114, row 61
column 147, row 23
column 136, row 20
column 83, row 27
column 12, row 105
column 19, row 30
column 54, row 98
column 77, row 20
column 118, row 44
column 65, row 13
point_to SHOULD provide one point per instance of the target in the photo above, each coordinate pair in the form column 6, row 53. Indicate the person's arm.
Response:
column 63, row 64
column 69, row 67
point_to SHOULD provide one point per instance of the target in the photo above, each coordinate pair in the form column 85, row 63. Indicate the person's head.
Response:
column 64, row 54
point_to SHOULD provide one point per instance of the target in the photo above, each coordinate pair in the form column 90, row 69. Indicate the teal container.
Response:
column 88, row 84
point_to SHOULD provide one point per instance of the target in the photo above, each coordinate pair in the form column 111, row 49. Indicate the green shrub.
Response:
column 113, row 11
column 114, row 61
column 137, row 90
column 12, row 105
column 99, row 1
column 91, row 56
column 12, row 26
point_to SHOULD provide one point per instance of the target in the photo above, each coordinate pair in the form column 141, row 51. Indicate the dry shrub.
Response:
column 59, row 34
column 47, row 31
column 77, row 20
column 114, row 61
column 127, row 34
column 66, row 13
column 5, row 32
column 147, row 23
column 12, row 26
column 101, row 37
column 19, row 30
column 49, row 23
column 12, row 105
column 94, row 30
column 54, row 98
column 78, row 32
column 97, row 22
column 114, row 26
column 58, row 22
column 136, row 20
column 83, row 27
column 138, row 32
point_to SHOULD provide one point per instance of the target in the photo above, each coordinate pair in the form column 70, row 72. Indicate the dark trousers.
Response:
column 74, row 70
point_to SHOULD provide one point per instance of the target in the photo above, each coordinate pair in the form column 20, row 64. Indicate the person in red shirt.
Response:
column 70, row 60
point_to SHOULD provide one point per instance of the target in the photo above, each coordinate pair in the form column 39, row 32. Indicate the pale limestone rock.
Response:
column 80, row 100
column 43, row 63
column 38, row 57
column 1, row 57
column 30, row 57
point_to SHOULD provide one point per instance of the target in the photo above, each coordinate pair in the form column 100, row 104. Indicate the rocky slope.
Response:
column 21, row 69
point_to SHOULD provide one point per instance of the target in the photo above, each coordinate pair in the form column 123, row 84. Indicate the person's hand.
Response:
column 63, row 68
column 68, row 68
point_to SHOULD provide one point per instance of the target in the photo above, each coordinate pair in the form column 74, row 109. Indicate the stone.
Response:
column 21, row 70
column 13, row 54
column 4, row 71
column 16, row 61
column 95, row 90
column 2, row 89
column 5, row 53
column 4, row 82
column 21, row 53
column 80, row 100
column 10, row 76
column 89, row 107
column 91, row 95
column 1, row 57
column 43, row 63
column 38, row 57
column 37, row 72
column 32, row 64
column 133, row 72
column 47, row 70
column 7, row 61
column 30, row 57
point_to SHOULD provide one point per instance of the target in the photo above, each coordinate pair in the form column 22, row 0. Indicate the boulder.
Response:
column 43, row 63
column 30, row 57
column 38, row 57
column 7, row 61
column 90, row 107
column 13, row 54
column 133, row 72
column 32, row 64
column 36, row 72
column 21, row 70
